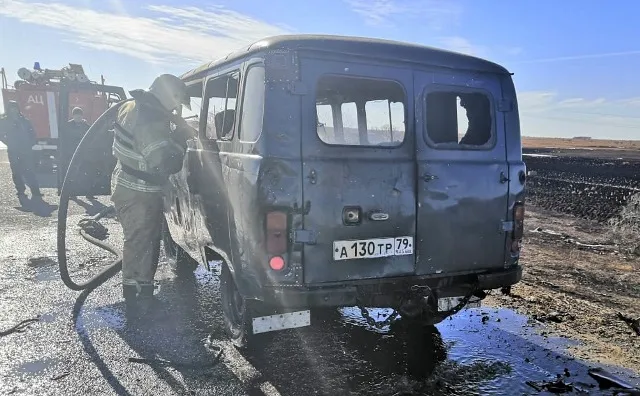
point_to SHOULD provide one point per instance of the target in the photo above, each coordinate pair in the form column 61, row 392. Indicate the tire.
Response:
column 182, row 264
column 235, row 310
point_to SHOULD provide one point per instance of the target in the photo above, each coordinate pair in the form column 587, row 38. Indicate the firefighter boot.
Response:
column 138, row 300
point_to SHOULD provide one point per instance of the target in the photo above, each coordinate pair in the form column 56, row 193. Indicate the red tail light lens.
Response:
column 276, row 263
column 518, row 226
column 276, row 233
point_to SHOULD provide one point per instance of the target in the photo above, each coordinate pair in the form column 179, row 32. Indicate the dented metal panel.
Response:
column 373, row 179
column 461, row 198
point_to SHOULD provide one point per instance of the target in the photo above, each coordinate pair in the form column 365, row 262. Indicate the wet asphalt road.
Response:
column 82, row 345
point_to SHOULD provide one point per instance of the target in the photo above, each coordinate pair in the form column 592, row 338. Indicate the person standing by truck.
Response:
column 17, row 133
column 72, row 134
column 148, row 152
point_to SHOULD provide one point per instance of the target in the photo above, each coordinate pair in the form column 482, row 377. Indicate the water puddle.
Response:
column 38, row 367
column 102, row 317
column 477, row 351
column 45, row 268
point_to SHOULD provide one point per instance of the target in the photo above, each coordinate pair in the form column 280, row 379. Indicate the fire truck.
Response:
column 47, row 96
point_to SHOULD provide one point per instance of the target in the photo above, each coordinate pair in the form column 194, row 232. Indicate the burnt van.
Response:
column 338, row 171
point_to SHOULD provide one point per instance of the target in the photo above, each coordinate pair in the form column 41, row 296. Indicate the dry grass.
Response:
column 626, row 227
column 545, row 142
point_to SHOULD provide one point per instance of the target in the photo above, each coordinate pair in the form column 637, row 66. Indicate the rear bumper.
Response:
column 388, row 292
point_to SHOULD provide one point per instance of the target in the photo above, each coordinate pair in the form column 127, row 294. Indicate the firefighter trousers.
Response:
column 140, row 214
column 23, row 172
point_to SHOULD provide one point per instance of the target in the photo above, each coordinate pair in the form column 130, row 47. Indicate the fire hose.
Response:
column 89, row 228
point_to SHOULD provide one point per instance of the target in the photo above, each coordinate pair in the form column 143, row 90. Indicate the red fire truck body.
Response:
column 39, row 101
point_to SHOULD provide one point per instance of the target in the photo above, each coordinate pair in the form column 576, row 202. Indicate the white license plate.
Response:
column 447, row 303
column 289, row 320
column 372, row 248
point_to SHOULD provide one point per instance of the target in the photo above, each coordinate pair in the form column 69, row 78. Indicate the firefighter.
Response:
column 74, row 131
column 148, row 151
column 17, row 133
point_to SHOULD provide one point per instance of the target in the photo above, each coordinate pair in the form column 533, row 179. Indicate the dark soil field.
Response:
column 585, row 186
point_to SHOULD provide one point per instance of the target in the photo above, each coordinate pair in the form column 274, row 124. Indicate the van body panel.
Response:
column 517, row 167
column 373, row 179
column 462, row 200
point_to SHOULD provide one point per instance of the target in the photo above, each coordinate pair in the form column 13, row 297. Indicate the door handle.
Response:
column 427, row 177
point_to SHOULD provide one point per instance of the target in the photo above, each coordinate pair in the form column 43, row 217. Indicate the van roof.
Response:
column 358, row 46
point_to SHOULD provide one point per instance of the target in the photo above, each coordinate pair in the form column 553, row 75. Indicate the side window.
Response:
column 222, row 93
column 192, row 116
column 460, row 120
column 360, row 111
column 252, row 105
column 325, row 122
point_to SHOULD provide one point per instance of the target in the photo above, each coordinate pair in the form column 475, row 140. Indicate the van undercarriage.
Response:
column 390, row 292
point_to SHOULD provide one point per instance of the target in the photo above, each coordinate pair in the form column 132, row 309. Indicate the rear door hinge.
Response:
column 505, row 105
column 308, row 237
column 297, row 88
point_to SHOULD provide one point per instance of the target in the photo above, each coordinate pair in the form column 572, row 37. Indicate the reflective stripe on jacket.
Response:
column 146, row 149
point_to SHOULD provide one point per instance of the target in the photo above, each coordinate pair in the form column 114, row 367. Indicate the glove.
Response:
column 183, row 129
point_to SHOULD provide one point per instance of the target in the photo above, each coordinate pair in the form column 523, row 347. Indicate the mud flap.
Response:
column 289, row 320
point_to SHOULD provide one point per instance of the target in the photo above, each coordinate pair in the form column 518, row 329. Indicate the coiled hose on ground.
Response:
column 102, row 125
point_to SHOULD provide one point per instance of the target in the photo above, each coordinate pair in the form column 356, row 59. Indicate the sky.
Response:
column 575, row 63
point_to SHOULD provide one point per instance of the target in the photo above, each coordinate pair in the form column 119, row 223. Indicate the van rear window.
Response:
column 460, row 120
column 360, row 111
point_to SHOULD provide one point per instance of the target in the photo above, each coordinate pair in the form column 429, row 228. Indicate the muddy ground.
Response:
column 578, row 290
column 79, row 343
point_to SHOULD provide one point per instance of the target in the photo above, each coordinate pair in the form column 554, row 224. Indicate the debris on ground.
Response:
column 557, row 386
column 94, row 229
column 60, row 376
column 20, row 327
column 555, row 317
column 607, row 380
column 633, row 323
column 581, row 245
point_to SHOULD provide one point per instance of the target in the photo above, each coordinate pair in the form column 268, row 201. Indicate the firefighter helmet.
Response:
column 170, row 91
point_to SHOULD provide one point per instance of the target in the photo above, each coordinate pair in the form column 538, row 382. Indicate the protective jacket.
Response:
column 148, row 151
column 17, row 133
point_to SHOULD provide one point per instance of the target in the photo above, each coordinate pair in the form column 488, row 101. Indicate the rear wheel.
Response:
column 181, row 262
column 235, row 309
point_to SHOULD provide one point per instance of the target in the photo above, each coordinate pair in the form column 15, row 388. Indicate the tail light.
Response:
column 276, row 263
column 276, row 233
column 518, row 226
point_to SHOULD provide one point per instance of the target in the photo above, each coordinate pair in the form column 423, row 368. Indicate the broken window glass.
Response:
column 221, row 107
column 460, row 119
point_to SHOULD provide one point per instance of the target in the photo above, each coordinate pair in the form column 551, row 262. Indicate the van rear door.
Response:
column 462, row 172
column 358, row 171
